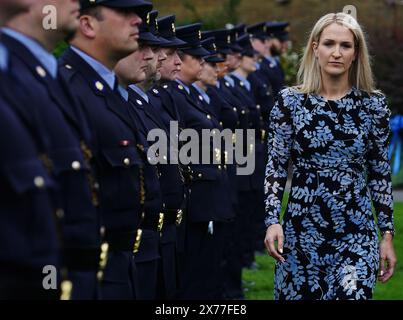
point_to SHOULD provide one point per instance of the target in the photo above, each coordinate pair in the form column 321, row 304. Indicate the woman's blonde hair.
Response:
column 360, row 73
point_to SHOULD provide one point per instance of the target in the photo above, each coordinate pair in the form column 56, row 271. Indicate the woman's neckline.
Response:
column 348, row 92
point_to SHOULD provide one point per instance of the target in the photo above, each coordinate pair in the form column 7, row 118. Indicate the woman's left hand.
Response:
column 387, row 258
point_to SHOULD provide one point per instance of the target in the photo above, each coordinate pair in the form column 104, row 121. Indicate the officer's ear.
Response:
column 89, row 26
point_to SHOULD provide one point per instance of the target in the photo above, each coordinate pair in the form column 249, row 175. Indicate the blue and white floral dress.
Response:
column 339, row 153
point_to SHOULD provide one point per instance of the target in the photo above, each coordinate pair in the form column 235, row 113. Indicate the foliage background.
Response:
column 382, row 21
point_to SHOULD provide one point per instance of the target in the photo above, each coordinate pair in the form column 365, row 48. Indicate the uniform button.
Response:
column 96, row 185
column 208, row 117
column 126, row 161
column 234, row 109
column 221, row 123
column 258, row 106
column 165, row 86
column 76, row 165
column 199, row 175
column 39, row 182
column 41, row 71
column 243, row 111
column 60, row 213
column 68, row 66
column 155, row 91
column 165, row 158
column 219, row 167
column 99, row 86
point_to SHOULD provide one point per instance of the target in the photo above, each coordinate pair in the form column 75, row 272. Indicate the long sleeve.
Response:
column 378, row 165
column 280, row 137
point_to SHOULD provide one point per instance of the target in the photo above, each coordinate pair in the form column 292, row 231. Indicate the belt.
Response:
column 82, row 259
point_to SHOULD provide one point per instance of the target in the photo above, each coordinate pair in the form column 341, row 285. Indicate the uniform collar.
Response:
column 202, row 93
column 271, row 60
column 257, row 66
column 229, row 80
column 243, row 80
column 184, row 85
column 107, row 75
column 140, row 92
column 46, row 58
column 3, row 58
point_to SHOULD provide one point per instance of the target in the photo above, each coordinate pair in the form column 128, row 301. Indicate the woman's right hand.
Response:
column 275, row 233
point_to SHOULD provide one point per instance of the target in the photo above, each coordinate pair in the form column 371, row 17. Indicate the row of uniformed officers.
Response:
column 78, row 190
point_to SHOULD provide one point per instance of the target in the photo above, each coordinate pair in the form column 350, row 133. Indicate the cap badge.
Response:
column 173, row 28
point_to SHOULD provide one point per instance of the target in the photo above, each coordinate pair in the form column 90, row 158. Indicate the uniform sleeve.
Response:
column 280, row 137
column 378, row 165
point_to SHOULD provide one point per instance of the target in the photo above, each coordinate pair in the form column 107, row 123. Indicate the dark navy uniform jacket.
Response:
column 227, row 113
column 115, row 145
column 148, row 250
column 262, row 93
column 274, row 74
column 61, row 129
column 28, row 226
column 255, row 121
column 209, row 198
column 170, row 175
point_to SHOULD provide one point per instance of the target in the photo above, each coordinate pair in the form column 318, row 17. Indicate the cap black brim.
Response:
column 174, row 42
column 214, row 59
column 151, row 39
column 139, row 6
column 197, row 52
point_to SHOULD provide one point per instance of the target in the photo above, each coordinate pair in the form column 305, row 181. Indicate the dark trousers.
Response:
column 147, row 260
column 201, row 262
column 232, row 264
column 85, row 285
column 120, row 277
column 167, row 268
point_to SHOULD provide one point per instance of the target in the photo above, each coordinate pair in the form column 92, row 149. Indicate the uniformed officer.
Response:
column 109, row 32
column 274, row 49
column 28, row 234
column 172, row 179
column 174, row 187
column 131, row 71
column 244, row 87
column 232, row 109
column 209, row 198
column 210, row 97
column 62, row 131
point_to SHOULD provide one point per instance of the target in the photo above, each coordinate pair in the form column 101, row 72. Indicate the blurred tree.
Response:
column 227, row 13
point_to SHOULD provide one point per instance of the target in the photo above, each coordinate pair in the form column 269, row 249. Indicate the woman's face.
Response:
column 336, row 50
column 248, row 64
column 209, row 74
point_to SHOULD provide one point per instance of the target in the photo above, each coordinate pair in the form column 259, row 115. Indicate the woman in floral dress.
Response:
column 334, row 128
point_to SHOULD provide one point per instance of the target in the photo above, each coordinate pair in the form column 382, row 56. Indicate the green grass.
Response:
column 259, row 283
